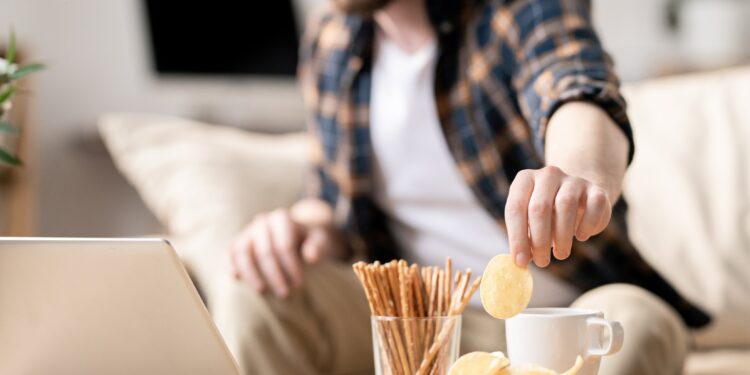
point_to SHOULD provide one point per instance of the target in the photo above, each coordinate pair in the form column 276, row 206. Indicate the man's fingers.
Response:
column 546, row 209
column 268, row 262
column 541, row 205
column 597, row 213
column 233, row 266
column 516, row 217
column 245, row 264
column 284, row 239
column 314, row 245
column 606, row 215
column 567, row 201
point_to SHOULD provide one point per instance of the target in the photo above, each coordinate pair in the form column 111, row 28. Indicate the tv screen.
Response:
column 223, row 37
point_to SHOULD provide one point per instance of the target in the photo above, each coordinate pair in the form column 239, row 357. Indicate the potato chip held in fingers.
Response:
column 506, row 288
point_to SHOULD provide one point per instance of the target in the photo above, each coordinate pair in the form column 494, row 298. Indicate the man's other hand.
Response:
column 546, row 208
column 268, row 253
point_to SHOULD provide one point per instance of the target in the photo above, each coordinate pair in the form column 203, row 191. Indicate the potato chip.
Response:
column 480, row 363
column 506, row 288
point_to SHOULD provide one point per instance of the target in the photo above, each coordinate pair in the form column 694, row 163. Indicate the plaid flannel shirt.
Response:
column 503, row 68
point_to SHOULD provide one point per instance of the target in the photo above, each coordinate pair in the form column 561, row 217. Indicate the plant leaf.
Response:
column 8, row 158
column 6, row 127
column 7, row 93
column 10, row 54
column 26, row 70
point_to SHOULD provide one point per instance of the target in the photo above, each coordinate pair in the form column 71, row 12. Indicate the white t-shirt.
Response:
column 433, row 213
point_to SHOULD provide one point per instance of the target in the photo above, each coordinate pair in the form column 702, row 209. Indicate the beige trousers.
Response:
column 324, row 327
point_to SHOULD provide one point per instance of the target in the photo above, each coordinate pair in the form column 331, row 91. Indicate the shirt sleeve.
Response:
column 319, row 183
column 556, row 58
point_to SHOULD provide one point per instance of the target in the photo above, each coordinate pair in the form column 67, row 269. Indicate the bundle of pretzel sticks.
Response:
column 399, row 290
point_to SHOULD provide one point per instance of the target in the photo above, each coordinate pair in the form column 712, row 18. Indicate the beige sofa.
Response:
column 689, row 190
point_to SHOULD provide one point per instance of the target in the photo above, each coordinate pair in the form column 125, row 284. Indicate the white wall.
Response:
column 98, row 63
column 711, row 34
column 633, row 32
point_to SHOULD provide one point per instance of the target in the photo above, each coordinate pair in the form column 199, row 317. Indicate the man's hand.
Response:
column 586, row 157
column 269, row 251
column 546, row 208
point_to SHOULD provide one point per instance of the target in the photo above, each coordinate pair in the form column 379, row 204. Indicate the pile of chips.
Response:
column 505, row 291
column 481, row 363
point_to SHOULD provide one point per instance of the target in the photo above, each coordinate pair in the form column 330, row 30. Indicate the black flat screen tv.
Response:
column 223, row 37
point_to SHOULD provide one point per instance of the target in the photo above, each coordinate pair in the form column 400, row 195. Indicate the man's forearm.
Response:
column 584, row 141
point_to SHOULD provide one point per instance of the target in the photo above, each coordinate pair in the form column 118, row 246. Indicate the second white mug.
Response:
column 554, row 337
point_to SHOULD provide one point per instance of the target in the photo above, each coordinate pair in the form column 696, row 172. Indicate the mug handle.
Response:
column 616, row 336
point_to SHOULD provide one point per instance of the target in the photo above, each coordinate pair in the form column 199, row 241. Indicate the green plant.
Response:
column 10, row 74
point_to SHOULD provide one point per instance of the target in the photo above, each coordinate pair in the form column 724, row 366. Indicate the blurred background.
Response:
column 232, row 63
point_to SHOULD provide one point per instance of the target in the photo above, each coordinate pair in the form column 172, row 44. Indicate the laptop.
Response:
column 103, row 306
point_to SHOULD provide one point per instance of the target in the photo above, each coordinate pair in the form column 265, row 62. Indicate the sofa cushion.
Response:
column 689, row 192
column 718, row 361
column 204, row 182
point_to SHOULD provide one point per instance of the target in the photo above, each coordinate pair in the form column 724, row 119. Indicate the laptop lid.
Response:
column 103, row 306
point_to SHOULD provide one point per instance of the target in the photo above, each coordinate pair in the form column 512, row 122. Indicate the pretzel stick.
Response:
column 457, row 279
column 398, row 344
column 468, row 277
column 412, row 275
column 377, row 309
column 432, row 310
column 449, row 275
column 420, row 311
column 441, row 293
column 446, row 330
column 426, row 277
column 446, row 308
column 442, row 336
column 457, row 310
column 418, row 297
column 447, row 281
column 384, row 349
column 461, row 281
column 467, row 296
column 358, row 271
column 430, row 284
column 392, row 272
column 414, row 323
column 377, row 292
column 388, row 334
column 406, row 286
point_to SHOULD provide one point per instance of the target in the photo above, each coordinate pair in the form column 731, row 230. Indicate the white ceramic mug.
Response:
column 554, row 337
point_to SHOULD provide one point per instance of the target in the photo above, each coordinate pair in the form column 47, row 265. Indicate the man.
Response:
column 451, row 128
